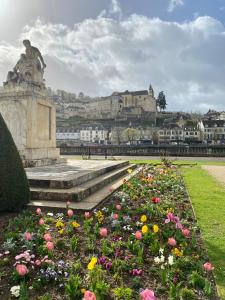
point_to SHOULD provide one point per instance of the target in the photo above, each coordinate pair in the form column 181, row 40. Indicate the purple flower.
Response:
column 137, row 272
column 108, row 265
column 102, row 260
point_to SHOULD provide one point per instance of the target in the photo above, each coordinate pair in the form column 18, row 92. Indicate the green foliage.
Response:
column 106, row 249
column 197, row 280
column 76, row 267
column 61, row 244
column 23, row 292
column 45, row 297
column 98, row 284
column 14, row 189
column 208, row 288
column 74, row 243
column 122, row 293
column 73, row 288
column 187, row 294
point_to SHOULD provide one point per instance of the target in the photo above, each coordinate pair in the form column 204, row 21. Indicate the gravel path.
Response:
column 216, row 171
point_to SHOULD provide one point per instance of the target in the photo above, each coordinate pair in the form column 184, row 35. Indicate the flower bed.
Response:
column 143, row 244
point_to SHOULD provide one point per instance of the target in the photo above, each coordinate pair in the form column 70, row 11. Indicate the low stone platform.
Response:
column 85, row 183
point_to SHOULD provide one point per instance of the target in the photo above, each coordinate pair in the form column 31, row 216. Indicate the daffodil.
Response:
column 99, row 215
column 61, row 231
column 92, row 263
column 129, row 171
column 143, row 218
column 59, row 224
column 144, row 229
column 75, row 224
column 177, row 252
column 155, row 228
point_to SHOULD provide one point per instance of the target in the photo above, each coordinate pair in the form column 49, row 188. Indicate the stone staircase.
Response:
column 84, row 183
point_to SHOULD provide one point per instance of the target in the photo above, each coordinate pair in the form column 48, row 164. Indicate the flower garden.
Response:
column 143, row 243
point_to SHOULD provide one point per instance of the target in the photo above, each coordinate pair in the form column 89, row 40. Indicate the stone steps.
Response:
column 84, row 190
column 67, row 176
column 89, row 203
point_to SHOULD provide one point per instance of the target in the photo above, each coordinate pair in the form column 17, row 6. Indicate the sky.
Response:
column 102, row 46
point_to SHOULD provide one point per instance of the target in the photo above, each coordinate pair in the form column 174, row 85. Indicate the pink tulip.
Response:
column 186, row 232
column 70, row 213
column 103, row 232
column 41, row 222
column 147, row 295
column 27, row 236
column 138, row 235
column 118, row 207
column 115, row 216
column 89, row 296
column 50, row 246
column 208, row 266
column 87, row 214
column 47, row 237
column 22, row 270
column 172, row 242
column 38, row 211
column 37, row 262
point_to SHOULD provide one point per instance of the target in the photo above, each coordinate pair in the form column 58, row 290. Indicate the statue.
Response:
column 29, row 68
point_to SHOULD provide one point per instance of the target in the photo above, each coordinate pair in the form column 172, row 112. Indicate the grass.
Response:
column 208, row 199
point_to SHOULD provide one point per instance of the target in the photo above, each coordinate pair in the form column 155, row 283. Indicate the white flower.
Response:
column 162, row 258
column 170, row 260
column 15, row 291
column 50, row 214
column 162, row 267
column 139, row 223
column 161, row 250
column 157, row 260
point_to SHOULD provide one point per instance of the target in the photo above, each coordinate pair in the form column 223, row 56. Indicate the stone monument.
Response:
column 28, row 112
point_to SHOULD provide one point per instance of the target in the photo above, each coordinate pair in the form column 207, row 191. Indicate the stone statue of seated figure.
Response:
column 29, row 68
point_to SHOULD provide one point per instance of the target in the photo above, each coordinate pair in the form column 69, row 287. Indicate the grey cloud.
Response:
column 99, row 56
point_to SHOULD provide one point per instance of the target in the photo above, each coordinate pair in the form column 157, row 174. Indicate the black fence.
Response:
column 153, row 150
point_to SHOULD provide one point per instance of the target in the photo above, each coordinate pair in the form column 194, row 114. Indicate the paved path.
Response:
column 216, row 171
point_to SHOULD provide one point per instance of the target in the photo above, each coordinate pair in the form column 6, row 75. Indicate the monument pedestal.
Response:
column 31, row 118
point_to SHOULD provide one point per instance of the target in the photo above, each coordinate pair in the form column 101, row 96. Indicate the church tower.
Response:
column 151, row 91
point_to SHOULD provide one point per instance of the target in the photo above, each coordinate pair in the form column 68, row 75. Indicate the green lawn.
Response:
column 208, row 199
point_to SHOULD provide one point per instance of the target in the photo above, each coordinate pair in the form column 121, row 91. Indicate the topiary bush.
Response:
column 14, row 188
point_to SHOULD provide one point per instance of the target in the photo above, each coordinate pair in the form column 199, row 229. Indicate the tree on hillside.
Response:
column 131, row 134
column 161, row 101
column 14, row 188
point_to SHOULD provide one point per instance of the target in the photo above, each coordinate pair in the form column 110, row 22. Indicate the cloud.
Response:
column 102, row 55
column 175, row 3
column 115, row 7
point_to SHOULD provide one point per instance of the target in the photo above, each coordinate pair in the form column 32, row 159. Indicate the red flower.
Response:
column 156, row 200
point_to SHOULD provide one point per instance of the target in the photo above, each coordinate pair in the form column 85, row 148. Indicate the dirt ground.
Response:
column 217, row 172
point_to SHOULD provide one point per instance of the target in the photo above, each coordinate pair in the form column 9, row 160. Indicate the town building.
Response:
column 214, row 131
column 98, row 135
column 67, row 134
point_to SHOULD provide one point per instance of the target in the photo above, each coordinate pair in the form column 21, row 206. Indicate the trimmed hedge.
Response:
column 14, row 188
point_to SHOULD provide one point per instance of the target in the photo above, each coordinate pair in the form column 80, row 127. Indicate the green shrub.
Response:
column 14, row 189
column 73, row 288
column 187, row 294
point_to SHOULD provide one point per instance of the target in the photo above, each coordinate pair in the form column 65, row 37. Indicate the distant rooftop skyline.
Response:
column 102, row 46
